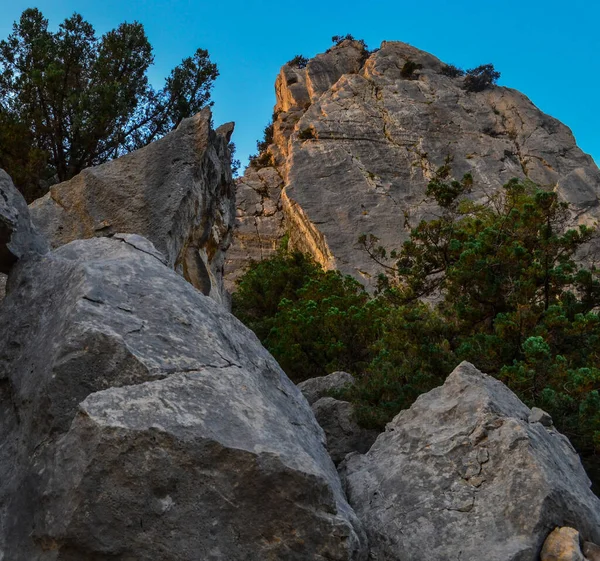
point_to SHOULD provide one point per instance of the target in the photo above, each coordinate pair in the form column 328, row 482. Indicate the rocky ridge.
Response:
column 177, row 192
column 356, row 140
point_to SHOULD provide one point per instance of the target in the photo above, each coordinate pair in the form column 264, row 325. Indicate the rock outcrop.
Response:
column 19, row 239
column 314, row 389
column 336, row 417
column 462, row 474
column 177, row 192
column 357, row 138
column 344, row 435
column 139, row 420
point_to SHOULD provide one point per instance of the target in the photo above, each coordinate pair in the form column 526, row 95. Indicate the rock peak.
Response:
column 357, row 136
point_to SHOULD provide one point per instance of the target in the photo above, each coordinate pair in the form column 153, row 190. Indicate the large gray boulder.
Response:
column 18, row 237
column 462, row 474
column 177, row 192
column 356, row 143
column 139, row 420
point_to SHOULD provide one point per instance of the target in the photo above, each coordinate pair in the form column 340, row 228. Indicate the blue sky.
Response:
column 549, row 50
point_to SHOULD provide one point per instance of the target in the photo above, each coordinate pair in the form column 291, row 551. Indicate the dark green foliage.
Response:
column 298, row 61
column 452, row 71
column 72, row 100
column 235, row 163
column 307, row 134
column 480, row 78
column 263, row 159
column 312, row 321
column 262, row 145
column 339, row 39
column 408, row 69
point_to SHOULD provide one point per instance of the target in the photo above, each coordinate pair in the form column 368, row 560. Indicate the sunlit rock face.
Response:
column 177, row 192
column 356, row 142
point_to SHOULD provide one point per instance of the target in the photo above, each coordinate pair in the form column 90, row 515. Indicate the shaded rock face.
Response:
column 139, row 420
column 356, row 144
column 343, row 433
column 259, row 224
column 314, row 389
column 336, row 417
column 463, row 472
column 177, row 192
column 19, row 239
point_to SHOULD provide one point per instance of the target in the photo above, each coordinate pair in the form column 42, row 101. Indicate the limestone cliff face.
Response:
column 355, row 144
column 177, row 192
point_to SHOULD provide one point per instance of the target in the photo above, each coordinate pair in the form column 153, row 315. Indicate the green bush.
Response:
column 452, row 71
column 312, row 321
column 307, row 134
column 480, row 78
column 339, row 39
column 298, row 61
column 408, row 69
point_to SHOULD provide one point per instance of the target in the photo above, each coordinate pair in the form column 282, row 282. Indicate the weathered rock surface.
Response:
column 259, row 222
column 343, row 433
column 177, row 192
column 591, row 551
column 356, row 144
column 18, row 237
column 463, row 475
column 139, row 420
column 314, row 389
column 336, row 417
column 562, row 545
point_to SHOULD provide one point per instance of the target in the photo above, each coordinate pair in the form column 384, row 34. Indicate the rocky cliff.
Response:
column 177, row 192
column 139, row 420
column 357, row 137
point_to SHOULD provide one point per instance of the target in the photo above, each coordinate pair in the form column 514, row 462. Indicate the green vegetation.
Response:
column 263, row 159
column 510, row 298
column 307, row 134
column 452, row 71
column 480, row 78
column 408, row 69
column 69, row 100
column 339, row 39
column 298, row 61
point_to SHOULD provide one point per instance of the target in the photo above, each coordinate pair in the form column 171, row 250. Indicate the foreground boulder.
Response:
column 462, row 474
column 177, row 192
column 139, row 420
column 18, row 237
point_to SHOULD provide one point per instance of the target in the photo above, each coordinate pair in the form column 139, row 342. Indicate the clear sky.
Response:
column 548, row 49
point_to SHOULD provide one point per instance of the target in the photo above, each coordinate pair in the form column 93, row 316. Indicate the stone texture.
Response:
column 591, row 551
column 463, row 472
column 259, row 221
column 343, row 433
column 314, row 389
column 562, row 545
column 540, row 416
column 139, row 420
column 356, row 144
column 177, row 192
column 18, row 237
